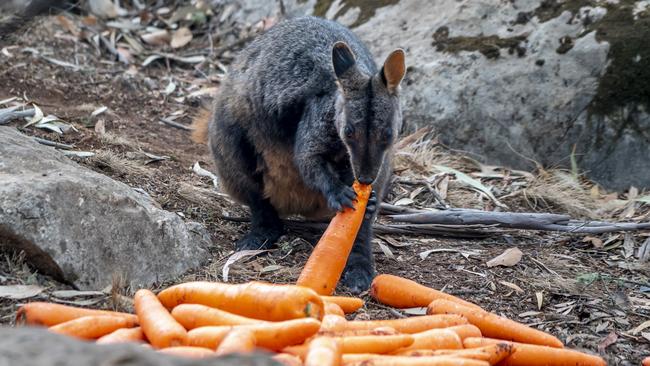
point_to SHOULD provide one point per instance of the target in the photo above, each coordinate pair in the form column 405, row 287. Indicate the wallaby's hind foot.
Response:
column 358, row 273
column 266, row 227
column 259, row 238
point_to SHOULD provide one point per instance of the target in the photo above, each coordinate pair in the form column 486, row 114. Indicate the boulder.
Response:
column 38, row 347
column 85, row 228
column 515, row 81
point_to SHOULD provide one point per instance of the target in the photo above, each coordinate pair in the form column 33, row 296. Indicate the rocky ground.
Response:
column 132, row 110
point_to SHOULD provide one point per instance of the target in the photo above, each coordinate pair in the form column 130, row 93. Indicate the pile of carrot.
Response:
column 304, row 324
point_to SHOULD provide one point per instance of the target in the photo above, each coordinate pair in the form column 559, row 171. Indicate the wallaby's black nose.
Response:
column 365, row 180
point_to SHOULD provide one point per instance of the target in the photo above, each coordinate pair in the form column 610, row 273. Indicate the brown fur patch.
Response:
column 200, row 125
column 284, row 187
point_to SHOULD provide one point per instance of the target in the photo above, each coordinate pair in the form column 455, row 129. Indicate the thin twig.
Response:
column 52, row 143
column 171, row 123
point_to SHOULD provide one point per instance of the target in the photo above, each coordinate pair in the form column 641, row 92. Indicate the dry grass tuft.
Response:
column 110, row 138
column 107, row 159
column 559, row 191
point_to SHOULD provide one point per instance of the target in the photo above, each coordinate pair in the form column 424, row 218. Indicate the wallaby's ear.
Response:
column 342, row 58
column 394, row 69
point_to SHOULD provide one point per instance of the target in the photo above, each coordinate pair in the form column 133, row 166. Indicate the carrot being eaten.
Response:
column 256, row 300
column 237, row 341
column 123, row 335
column 91, row 327
column 403, row 293
column 536, row 355
column 327, row 261
column 49, row 314
column 323, row 351
column 195, row 315
column 347, row 304
column 157, row 323
column 495, row 326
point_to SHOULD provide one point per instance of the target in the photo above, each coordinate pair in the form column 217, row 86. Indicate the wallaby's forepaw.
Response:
column 340, row 198
column 358, row 276
column 258, row 239
column 372, row 205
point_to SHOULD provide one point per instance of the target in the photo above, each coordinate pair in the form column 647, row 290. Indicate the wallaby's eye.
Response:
column 349, row 131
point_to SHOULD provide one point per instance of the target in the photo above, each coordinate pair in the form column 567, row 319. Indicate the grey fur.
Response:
column 289, row 135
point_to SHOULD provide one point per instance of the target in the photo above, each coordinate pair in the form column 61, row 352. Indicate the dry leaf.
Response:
column 100, row 127
column 386, row 250
column 236, row 257
column 404, row 202
column 529, row 313
column 607, row 341
column 628, row 245
column 508, row 258
column 465, row 253
column 643, row 253
column 415, row 311
column 19, row 292
column 66, row 294
column 512, row 286
column 271, row 268
column 540, row 299
column 596, row 242
column 157, row 38
column 204, row 173
column 181, row 37
column 640, row 328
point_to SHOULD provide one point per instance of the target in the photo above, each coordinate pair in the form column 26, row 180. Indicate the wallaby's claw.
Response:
column 371, row 207
column 342, row 198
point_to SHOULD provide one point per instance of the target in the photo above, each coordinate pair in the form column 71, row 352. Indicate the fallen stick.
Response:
column 515, row 220
column 9, row 114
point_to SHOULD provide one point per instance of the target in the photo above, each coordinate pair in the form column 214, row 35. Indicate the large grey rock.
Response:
column 37, row 347
column 84, row 227
column 512, row 79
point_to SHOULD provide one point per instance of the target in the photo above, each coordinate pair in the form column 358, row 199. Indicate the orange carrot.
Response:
column 237, row 341
column 434, row 339
column 256, row 300
column 327, row 261
column 493, row 353
column 157, row 323
column 646, row 361
column 535, row 355
column 91, row 327
column 382, row 360
column 359, row 332
column 348, row 304
column 273, row 336
column 333, row 309
column 194, row 315
column 492, row 325
column 49, row 314
column 333, row 323
column 361, row 344
column 123, row 335
column 190, row 352
column 323, row 351
column 287, row 359
column 466, row 331
column 402, row 293
column 413, row 324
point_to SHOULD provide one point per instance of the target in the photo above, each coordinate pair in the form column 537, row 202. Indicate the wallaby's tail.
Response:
column 200, row 126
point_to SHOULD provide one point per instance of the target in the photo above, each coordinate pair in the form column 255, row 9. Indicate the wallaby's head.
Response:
column 368, row 114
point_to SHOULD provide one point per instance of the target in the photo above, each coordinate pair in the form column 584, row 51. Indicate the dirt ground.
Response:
column 591, row 296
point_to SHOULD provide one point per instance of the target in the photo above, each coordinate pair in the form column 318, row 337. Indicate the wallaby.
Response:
column 302, row 112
